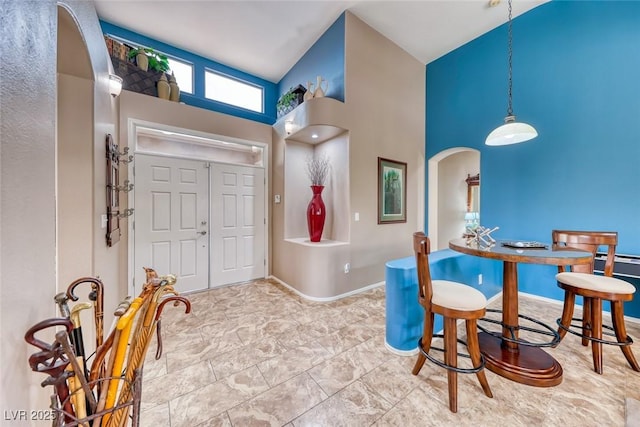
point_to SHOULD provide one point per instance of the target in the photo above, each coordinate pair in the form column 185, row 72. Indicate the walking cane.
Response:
column 50, row 360
column 78, row 345
column 101, row 355
column 97, row 296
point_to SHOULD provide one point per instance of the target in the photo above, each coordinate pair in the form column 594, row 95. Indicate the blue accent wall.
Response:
column 200, row 64
column 325, row 58
column 576, row 79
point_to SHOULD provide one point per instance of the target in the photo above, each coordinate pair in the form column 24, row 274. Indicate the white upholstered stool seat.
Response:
column 580, row 281
column 456, row 296
column 453, row 301
column 595, row 283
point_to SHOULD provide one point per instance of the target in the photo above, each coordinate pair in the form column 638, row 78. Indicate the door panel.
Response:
column 171, row 212
column 237, row 218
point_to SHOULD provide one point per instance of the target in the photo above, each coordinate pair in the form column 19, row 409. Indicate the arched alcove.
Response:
column 448, row 193
column 74, row 153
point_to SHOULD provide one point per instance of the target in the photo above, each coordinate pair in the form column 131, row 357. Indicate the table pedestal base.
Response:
column 528, row 365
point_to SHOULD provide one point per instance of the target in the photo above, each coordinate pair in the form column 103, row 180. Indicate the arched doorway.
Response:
column 447, row 191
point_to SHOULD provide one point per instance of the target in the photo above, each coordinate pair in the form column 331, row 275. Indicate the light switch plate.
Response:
column 276, row 198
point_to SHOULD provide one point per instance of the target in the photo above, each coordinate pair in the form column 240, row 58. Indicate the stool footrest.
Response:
column 547, row 331
column 449, row 367
column 571, row 329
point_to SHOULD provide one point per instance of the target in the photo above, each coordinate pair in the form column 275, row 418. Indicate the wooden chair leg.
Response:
column 567, row 313
column 450, row 358
column 587, row 326
column 427, row 336
column 596, row 332
column 617, row 317
column 474, row 352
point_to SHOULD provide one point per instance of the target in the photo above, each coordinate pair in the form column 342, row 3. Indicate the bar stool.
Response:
column 594, row 289
column 452, row 301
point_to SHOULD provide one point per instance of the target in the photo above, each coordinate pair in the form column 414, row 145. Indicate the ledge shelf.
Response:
column 324, row 117
column 321, row 244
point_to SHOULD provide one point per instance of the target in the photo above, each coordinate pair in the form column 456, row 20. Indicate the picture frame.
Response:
column 392, row 191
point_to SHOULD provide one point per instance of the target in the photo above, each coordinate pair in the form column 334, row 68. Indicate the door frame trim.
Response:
column 132, row 138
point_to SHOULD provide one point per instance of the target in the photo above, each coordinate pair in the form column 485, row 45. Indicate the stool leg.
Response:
column 427, row 336
column 451, row 358
column 617, row 316
column 474, row 352
column 596, row 332
column 567, row 313
column 587, row 316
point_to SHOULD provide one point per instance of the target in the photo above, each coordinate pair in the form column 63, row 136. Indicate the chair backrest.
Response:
column 422, row 248
column 587, row 241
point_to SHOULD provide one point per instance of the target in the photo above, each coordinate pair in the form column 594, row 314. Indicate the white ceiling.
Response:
column 266, row 38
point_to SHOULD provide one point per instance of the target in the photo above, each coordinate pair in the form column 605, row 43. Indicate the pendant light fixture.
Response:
column 511, row 132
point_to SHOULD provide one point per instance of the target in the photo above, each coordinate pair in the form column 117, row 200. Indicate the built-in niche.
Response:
column 335, row 194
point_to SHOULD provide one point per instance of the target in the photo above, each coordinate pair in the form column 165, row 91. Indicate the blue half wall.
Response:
column 576, row 79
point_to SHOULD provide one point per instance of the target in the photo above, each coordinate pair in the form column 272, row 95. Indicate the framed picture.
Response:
column 392, row 191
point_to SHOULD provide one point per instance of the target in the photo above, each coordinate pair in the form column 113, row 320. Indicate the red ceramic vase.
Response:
column 316, row 214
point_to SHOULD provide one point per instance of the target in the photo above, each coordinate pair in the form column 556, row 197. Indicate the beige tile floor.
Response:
column 257, row 354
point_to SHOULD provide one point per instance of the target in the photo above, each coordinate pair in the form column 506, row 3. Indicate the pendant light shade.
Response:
column 511, row 132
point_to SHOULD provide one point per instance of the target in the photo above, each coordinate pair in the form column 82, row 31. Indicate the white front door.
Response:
column 237, row 224
column 171, row 220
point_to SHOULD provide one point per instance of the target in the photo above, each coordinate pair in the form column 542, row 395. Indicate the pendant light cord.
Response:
column 510, row 38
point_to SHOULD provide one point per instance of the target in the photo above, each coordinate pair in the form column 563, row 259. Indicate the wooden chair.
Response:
column 594, row 289
column 452, row 301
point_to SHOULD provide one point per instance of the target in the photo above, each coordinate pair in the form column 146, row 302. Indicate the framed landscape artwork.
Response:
column 392, row 191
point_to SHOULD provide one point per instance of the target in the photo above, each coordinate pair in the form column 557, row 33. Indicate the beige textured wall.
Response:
column 385, row 99
column 28, row 176
column 384, row 116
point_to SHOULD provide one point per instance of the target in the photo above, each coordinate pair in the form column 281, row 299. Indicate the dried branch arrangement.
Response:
column 318, row 169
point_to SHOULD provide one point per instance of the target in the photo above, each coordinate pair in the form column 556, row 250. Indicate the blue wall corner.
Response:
column 200, row 64
column 325, row 58
column 576, row 80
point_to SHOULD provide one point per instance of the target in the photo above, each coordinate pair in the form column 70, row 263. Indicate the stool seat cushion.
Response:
column 596, row 283
column 457, row 296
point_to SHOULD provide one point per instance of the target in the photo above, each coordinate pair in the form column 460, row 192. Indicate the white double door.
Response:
column 202, row 221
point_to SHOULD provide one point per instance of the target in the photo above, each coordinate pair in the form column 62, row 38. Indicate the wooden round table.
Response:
column 523, row 364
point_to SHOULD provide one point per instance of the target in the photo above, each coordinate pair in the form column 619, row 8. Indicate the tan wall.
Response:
column 385, row 99
column 75, row 180
column 28, row 177
column 384, row 115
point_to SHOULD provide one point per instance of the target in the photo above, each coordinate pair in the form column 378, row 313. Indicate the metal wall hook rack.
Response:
column 128, row 186
column 124, row 214
column 128, row 158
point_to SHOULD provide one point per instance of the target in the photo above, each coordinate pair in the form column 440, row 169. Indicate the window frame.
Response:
column 238, row 80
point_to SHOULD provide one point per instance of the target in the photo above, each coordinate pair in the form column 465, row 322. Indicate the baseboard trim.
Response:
column 327, row 299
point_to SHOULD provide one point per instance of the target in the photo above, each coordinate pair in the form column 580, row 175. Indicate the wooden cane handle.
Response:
column 47, row 323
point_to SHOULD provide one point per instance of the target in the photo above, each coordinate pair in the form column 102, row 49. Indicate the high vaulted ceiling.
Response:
column 266, row 38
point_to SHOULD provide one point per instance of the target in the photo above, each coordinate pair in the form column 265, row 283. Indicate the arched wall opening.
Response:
column 447, row 193
column 74, row 153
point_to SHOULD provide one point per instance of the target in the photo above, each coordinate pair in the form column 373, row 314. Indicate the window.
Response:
column 183, row 73
column 232, row 91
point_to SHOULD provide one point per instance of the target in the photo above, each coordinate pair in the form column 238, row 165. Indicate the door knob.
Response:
column 202, row 233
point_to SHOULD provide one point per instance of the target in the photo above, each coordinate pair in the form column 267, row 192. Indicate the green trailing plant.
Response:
column 157, row 61
column 286, row 100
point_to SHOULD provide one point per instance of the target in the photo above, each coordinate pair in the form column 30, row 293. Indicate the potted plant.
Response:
column 147, row 58
column 286, row 102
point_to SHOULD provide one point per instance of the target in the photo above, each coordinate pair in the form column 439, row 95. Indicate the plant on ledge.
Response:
column 286, row 102
column 156, row 61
